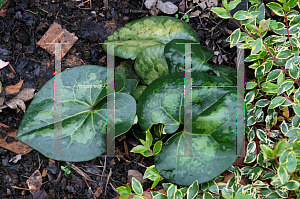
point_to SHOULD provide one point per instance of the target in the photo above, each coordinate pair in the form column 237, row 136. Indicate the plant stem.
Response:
column 287, row 28
column 239, row 25
column 277, row 61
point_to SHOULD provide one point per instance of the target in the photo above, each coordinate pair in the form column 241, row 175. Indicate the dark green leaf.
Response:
column 284, row 54
column 138, row 92
column 257, row 46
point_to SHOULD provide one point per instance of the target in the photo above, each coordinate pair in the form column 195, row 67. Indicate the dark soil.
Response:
column 22, row 27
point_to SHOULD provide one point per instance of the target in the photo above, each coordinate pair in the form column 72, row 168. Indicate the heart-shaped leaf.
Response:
column 148, row 31
column 213, row 143
column 83, row 115
column 175, row 56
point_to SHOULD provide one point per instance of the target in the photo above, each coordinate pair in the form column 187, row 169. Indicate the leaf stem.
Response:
column 277, row 61
column 239, row 25
column 287, row 28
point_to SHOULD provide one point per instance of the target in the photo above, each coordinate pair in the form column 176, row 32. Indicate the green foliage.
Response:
column 271, row 101
column 157, row 105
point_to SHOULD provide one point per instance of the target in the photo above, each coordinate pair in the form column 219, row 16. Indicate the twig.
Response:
column 109, row 175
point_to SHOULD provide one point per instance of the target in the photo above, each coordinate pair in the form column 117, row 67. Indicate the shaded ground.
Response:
column 24, row 25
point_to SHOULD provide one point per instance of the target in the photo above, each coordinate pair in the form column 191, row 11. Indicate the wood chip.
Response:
column 57, row 34
column 15, row 146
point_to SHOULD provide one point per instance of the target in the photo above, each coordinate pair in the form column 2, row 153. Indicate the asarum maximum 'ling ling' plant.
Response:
column 159, row 99
column 273, row 97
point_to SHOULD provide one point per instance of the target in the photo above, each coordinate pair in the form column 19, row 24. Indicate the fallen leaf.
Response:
column 147, row 194
column 212, row 3
column 18, row 101
column 182, row 6
column 16, row 146
column 136, row 174
column 195, row 14
column 167, row 7
column 154, row 11
column 150, row 3
column 34, row 182
column 14, row 88
column 286, row 112
column 202, row 5
column 98, row 192
column 44, row 173
column 3, row 64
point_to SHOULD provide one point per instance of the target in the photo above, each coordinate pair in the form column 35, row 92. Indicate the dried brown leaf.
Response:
column 18, row 101
column 167, row 7
column 14, row 88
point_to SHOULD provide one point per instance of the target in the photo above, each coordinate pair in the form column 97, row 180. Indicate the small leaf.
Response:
column 242, row 15
column 284, row 54
column 136, row 186
column 157, row 147
column 233, row 4
column 283, row 175
column 291, row 163
column 277, row 101
column 296, row 108
column 234, row 38
column 285, row 86
column 276, row 8
column 267, row 151
column 171, row 191
column 290, row 185
column 262, row 103
column 149, row 138
column 221, row 12
column 257, row 46
column 193, row 190
column 139, row 149
column 250, row 85
column 280, row 147
column 293, row 132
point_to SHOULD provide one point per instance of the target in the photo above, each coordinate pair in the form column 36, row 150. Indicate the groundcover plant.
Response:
column 156, row 44
column 272, row 98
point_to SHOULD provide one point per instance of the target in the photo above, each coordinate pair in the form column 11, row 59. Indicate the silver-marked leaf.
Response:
column 250, row 157
column 213, row 127
column 294, row 71
column 172, row 189
column 255, row 173
column 148, row 31
column 83, row 133
column 175, row 56
column 233, row 4
column 261, row 135
column 150, row 64
column 293, row 60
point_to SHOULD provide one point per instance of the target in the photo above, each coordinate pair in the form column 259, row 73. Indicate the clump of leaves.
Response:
column 272, row 98
column 66, row 170
column 157, row 46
